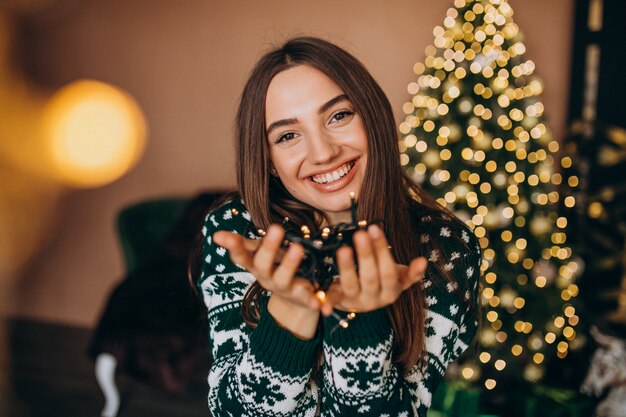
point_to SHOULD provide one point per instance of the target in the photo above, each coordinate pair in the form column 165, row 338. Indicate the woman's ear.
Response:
column 273, row 171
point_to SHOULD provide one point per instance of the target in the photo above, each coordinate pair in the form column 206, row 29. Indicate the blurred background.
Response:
column 105, row 104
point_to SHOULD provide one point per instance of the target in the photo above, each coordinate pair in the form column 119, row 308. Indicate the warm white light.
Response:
column 96, row 133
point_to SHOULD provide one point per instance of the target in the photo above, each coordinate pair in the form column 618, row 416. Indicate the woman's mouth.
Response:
column 333, row 176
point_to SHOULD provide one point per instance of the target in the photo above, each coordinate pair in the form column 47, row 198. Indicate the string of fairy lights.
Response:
column 474, row 138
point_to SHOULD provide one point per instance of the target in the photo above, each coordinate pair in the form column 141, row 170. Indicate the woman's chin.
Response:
column 339, row 215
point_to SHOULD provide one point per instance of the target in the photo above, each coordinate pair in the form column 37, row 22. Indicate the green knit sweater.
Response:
column 266, row 371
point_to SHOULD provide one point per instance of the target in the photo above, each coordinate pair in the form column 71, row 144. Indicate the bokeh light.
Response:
column 96, row 133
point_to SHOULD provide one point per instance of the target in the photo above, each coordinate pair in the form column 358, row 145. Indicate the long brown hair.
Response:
column 269, row 202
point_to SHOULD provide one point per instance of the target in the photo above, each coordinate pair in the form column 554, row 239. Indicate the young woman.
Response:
column 313, row 127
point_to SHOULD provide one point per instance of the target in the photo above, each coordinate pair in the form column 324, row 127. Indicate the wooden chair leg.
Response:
column 105, row 375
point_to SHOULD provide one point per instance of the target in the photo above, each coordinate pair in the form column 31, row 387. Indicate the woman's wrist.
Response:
column 298, row 320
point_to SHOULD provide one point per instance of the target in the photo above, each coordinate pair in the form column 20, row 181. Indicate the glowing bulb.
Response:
column 96, row 133
column 499, row 364
column 533, row 373
column 467, row 372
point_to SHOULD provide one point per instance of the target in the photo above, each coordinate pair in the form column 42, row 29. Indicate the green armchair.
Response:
column 153, row 324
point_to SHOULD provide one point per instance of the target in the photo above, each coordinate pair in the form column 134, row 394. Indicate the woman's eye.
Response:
column 286, row 137
column 342, row 115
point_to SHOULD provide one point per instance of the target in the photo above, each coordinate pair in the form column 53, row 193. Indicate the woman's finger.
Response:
column 235, row 244
column 368, row 266
column 285, row 272
column 265, row 256
column 226, row 239
column 387, row 269
column 252, row 245
column 332, row 297
column 302, row 292
column 414, row 272
column 348, row 277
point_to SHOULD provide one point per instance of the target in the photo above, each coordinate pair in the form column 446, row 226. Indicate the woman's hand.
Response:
column 293, row 303
column 379, row 281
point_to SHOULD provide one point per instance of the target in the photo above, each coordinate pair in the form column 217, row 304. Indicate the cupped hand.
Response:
column 274, row 268
column 379, row 280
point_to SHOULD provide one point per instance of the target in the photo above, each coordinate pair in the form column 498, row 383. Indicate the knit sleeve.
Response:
column 452, row 307
column 360, row 377
column 255, row 371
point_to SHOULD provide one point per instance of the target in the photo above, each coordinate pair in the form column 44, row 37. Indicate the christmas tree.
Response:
column 474, row 137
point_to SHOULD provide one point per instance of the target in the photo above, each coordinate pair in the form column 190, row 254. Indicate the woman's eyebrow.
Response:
column 323, row 108
column 280, row 123
column 330, row 103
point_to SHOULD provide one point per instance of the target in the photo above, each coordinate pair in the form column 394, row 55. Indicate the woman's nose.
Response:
column 322, row 148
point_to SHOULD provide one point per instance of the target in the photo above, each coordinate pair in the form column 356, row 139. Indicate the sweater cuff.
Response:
column 279, row 349
column 365, row 327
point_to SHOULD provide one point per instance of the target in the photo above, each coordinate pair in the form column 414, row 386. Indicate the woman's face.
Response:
column 317, row 142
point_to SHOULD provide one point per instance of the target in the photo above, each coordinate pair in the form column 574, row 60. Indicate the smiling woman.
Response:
column 314, row 128
column 318, row 146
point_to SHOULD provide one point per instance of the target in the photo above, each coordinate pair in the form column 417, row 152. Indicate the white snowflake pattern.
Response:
column 449, row 266
column 246, row 215
column 424, row 238
column 445, row 232
column 204, row 230
column 207, row 259
column 209, row 239
column 465, row 236
column 220, row 251
column 227, row 215
column 364, row 409
column 454, row 309
column 470, row 271
column 434, row 256
column 215, row 223
column 455, row 255
column 430, row 300
column 452, row 286
column 220, row 268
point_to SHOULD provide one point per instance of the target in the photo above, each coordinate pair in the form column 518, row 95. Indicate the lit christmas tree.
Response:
column 474, row 138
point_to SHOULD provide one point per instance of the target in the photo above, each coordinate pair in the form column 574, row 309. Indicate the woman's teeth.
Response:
column 334, row 175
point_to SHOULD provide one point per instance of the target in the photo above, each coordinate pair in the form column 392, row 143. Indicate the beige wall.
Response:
column 185, row 62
